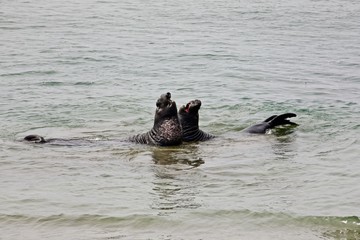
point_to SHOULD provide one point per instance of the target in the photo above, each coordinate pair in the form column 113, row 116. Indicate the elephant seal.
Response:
column 34, row 138
column 167, row 129
column 189, row 119
column 271, row 122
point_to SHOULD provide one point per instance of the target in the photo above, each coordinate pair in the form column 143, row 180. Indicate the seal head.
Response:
column 189, row 119
column 35, row 138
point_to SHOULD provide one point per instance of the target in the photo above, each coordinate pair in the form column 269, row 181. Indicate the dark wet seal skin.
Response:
column 271, row 122
column 167, row 129
column 189, row 119
column 34, row 138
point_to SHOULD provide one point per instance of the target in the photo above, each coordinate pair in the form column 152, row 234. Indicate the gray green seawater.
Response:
column 93, row 69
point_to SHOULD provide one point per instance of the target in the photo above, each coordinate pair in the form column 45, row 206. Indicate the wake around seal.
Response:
column 166, row 130
column 189, row 119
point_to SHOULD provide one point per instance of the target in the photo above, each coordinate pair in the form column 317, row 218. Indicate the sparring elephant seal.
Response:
column 166, row 130
column 189, row 119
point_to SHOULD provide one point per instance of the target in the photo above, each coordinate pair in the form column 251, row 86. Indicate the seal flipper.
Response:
column 270, row 118
column 271, row 122
column 35, row 138
column 281, row 120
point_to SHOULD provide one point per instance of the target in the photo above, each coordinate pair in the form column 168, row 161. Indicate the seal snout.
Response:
column 197, row 103
column 168, row 99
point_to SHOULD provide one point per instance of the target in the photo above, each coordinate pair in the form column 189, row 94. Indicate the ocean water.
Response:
column 93, row 69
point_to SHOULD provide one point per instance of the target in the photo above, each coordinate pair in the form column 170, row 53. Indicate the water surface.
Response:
column 94, row 69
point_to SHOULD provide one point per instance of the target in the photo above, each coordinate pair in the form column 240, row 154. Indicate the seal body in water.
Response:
column 59, row 141
column 271, row 122
column 189, row 119
column 166, row 130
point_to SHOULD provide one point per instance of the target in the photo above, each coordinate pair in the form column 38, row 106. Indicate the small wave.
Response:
column 346, row 234
column 92, row 59
column 20, row 27
column 10, row 28
column 52, row 84
column 334, row 222
column 349, row 222
column 49, row 72
column 56, row 83
column 84, row 83
column 85, row 219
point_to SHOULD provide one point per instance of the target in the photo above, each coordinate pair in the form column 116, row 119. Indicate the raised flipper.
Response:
column 282, row 120
column 270, row 118
column 271, row 122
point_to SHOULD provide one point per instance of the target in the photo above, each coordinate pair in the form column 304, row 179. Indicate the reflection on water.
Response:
column 186, row 154
column 284, row 130
column 284, row 146
column 176, row 185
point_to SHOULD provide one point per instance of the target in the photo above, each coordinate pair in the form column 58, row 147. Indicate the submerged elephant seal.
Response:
column 167, row 129
column 271, row 122
column 189, row 119
column 35, row 138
